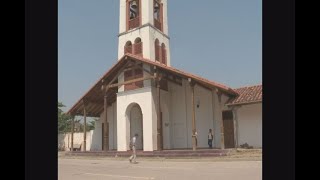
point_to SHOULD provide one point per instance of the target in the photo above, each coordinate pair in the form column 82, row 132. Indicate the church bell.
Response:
column 134, row 4
column 156, row 7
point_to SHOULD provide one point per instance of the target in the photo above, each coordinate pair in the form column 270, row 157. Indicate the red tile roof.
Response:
column 247, row 95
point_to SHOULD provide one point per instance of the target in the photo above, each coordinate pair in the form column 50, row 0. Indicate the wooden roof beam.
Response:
column 130, row 81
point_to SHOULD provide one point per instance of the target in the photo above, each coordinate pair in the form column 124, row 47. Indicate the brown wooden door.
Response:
column 228, row 129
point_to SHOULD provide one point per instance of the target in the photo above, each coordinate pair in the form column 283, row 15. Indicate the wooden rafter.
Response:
column 117, row 75
column 130, row 81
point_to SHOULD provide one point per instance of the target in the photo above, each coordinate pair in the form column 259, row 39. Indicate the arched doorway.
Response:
column 136, row 125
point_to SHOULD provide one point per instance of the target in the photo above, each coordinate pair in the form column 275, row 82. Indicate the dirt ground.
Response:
column 244, row 154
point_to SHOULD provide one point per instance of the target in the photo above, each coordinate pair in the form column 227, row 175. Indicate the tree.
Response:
column 91, row 125
column 64, row 120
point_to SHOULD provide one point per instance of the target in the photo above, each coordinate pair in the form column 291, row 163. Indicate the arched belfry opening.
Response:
column 138, row 47
column 157, row 50
column 133, row 14
column 128, row 47
column 163, row 54
column 158, row 14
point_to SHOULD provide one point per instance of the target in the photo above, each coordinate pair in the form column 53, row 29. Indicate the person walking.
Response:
column 133, row 148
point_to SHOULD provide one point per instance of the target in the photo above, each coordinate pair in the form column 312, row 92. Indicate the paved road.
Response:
column 105, row 169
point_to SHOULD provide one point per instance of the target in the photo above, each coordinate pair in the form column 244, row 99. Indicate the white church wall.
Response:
column 188, row 109
column 217, row 113
column 154, row 117
column 142, row 33
column 165, row 16
column 164, row 96
column 142, row 97
column 97, row 137
column 208, row 115
column 154, row 34
column 122, row 16
column 147, row 12
column 178, row 115
column 204, row 115
column 250, row 125
column 112, row 125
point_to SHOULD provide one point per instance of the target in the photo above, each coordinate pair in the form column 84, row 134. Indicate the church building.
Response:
column 168, row 108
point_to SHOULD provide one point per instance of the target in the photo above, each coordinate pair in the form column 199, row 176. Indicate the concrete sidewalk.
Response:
column 236, row 155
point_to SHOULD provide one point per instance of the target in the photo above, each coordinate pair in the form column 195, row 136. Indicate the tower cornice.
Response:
column 144, row 25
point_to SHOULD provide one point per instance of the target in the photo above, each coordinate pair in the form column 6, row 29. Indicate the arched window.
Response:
column 133, row 14
column 157, row 50
column 138, row 47
column 163, row 54
column 158, row 14
column 128, row 47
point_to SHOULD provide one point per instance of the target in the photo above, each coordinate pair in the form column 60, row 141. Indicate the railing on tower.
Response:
column 157, row 24
column 133, row 23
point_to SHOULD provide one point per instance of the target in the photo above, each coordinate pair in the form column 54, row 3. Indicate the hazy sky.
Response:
column 220, row 40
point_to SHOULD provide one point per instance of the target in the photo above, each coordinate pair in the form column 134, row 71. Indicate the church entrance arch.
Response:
column 135, row 120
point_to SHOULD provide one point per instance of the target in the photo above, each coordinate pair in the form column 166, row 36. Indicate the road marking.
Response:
column 163, row 168
column 109, row 175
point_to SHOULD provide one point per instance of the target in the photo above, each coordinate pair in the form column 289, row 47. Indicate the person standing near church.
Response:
column 210, row 138
column 133, row 148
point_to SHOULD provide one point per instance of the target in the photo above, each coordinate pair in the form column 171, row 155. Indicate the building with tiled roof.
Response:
column 168, row 108
column 247, row 95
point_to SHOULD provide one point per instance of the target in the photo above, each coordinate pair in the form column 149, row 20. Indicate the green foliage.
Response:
column 91, row 125
column 64, row 120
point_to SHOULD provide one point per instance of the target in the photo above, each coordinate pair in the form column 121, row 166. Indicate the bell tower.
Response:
column 143, row 30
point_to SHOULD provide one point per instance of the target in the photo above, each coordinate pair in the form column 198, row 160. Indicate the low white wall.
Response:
column 64, row 140
column 250, row 125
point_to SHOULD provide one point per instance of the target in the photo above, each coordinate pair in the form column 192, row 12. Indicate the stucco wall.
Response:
column 147, row 34
column 97, row 137
column 147, row 14
column 112, row 119
column 154, row 34
column 250, row 125
column 142, row 97
column 64, row 140
column 208, row 115
column 142, row 33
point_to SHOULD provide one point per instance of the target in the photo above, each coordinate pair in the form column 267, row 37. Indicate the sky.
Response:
column 220, row 40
